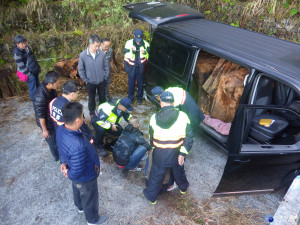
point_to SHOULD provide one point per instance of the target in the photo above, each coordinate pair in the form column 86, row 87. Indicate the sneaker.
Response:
column 145, row 157
column 80, row 210
column 182, row 192
column 102, row 220
column 137, row 169
column 152, row 203
column 101, row 152
column 172, row 187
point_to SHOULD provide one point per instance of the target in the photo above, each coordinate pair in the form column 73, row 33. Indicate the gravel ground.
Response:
column 33, row 191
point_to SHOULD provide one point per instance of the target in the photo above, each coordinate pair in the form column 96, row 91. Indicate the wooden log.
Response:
column 228, row 94
column 7, row 88
column 214, row 75
column 204, row 66
column 68, row 68
column 58, row 67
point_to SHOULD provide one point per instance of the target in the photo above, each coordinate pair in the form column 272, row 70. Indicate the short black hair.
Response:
column 70, row 87
column 104, row 40
column 94, row 38
column 71, row 111
column 51, row 77
column 19, row 39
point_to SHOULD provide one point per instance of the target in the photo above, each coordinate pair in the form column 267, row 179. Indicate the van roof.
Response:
column 265, row 53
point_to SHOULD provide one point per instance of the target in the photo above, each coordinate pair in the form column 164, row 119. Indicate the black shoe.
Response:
column 139, row 102
column 102, row 220
column 101, row 152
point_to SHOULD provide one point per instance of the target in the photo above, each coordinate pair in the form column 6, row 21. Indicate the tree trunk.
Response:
column 7, row 88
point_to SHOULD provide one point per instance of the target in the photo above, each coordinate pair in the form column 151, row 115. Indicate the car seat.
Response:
column 266, row 132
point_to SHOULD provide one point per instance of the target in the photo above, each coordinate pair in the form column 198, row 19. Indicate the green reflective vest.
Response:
column 130, row 55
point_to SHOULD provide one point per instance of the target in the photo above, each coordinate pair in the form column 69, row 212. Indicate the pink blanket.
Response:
column 220, row 126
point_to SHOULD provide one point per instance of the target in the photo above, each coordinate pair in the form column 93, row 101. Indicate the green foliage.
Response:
column 101, row 12
column 294, row 12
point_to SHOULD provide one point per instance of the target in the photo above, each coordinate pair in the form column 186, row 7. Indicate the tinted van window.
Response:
column 169, row 54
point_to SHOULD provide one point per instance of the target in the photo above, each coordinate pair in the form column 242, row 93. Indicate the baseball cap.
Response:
column 138, row 35
column 70, row 86
column 126, row 102
column 157, row 91
column 167, row 97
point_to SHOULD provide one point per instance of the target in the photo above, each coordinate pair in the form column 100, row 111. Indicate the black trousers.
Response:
column 100, row 131
column 51, row 141
column 86, row 198
column 156, row 178
column 91, row 90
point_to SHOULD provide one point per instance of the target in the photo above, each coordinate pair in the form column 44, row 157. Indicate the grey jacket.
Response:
column 92, row 70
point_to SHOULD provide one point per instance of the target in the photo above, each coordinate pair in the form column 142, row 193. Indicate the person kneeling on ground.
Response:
column 131, row 146
column 106, row 119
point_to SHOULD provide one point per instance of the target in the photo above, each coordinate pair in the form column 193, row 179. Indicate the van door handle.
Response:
column 240, row 161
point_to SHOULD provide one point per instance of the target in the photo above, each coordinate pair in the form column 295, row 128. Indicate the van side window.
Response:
column 169, row 54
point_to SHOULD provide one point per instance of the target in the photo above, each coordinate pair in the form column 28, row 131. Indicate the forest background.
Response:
column 60, row 28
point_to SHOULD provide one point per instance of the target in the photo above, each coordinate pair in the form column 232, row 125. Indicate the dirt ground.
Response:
column 33, row 191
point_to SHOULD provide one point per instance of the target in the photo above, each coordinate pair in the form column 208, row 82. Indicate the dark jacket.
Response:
column 26, row 62
column 41, row 101
column 56, row 106
column 165, row 119
column 130, row 139
column 78, row 153
column 91, row 70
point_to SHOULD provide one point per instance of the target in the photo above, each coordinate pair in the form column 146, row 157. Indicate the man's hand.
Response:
column 114, row 127
column 133, row 48
column 180, row 160
column 65, row 173
column 63, row 167
column 46, row 133
column 143, row 51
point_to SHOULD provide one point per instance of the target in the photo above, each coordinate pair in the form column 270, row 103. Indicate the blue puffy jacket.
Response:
column 78, row 153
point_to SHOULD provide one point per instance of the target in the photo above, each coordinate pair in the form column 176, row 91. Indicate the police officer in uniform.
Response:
column 135, row 57
column 106, row 119
column 184, row 101
column 172, row 138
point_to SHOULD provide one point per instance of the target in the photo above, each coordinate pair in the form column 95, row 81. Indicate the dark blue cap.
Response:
column 138, row 35
column 126, row 103
column 157, row 91
column 167, row 97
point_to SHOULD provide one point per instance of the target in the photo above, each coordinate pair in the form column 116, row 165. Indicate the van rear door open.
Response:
column 158, row 13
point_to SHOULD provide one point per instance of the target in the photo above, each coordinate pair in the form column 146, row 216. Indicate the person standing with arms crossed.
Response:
column 93, row 70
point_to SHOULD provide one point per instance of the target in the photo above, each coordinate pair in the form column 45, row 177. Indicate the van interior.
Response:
column 274, row 115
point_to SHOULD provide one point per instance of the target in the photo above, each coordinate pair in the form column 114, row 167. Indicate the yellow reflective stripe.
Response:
column 183, row 97
column 183, row 150
column 170, row 138
column 158, row 145
column 105, row 124
column 129, row 62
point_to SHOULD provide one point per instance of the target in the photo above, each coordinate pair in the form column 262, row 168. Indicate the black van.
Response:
column 244, row 81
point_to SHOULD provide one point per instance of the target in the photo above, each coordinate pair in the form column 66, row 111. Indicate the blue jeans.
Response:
column 86, row 198
column 32, row 83
column 136, row 157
